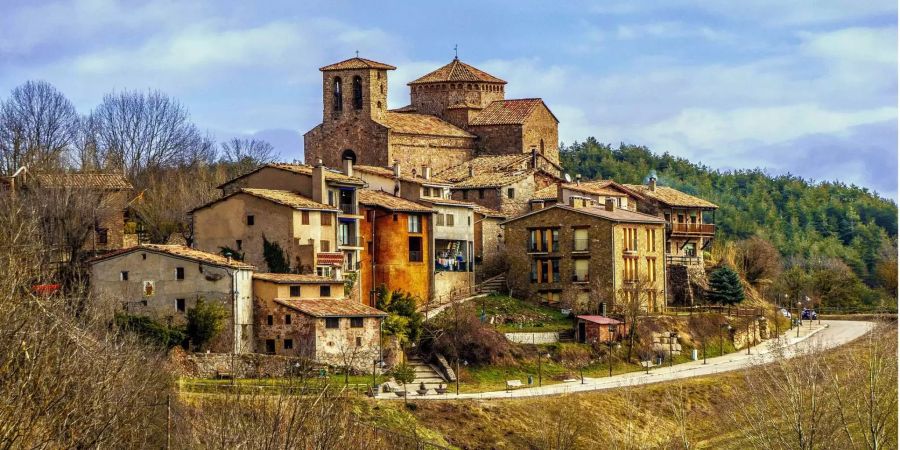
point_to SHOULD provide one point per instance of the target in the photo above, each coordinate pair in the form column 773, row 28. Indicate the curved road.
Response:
column 831, row 333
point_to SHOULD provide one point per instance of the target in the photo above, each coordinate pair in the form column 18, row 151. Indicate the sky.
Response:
column 804, row 87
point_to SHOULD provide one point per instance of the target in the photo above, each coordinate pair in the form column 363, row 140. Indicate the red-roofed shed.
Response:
column 599, row 329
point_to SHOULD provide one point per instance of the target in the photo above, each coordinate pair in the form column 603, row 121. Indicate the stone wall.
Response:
column 453, row 284
column 541, row 131
column 489, row 245
column 438, row 152
column 498, row 139
column 533, row 338
column 212, row 365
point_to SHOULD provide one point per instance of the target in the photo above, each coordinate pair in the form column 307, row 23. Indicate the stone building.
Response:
column 398, row 238
column 457, row 112
column 596, row 191
column 587, row 258
column 490, row 253
column 165, row 281
column 279, row 330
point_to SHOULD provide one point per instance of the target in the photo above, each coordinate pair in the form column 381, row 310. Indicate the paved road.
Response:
column 831, row 333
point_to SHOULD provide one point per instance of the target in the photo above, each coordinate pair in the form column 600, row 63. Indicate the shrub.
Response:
column 204, row 322
column 403, row 320
column 459, row 333
column 274, row 256
column 153, row 332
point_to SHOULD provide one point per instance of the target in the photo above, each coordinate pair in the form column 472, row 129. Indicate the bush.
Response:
column 459, row 333
column 403, row 320
column 153, row 332
column 204, row 322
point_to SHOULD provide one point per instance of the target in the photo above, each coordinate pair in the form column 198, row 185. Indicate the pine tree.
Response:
column 725, row 286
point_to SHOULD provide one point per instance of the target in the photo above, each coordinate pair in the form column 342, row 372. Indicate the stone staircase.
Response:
column 425, row 373
column 493, row 285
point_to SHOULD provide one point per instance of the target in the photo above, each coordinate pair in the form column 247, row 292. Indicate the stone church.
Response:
column 456, row 113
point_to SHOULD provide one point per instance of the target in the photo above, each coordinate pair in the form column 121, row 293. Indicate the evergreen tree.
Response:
column 204, row 322
column 725, row 286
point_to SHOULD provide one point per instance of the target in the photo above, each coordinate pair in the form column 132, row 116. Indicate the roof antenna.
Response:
column 455, row 51
column 357, row 53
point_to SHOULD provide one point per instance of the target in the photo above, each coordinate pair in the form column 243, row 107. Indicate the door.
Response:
column 581, row 337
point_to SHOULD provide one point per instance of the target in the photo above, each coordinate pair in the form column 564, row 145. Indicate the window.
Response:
column 542, row 146
column 325, row 245
column 179, row 273
column 357, row 93
column 449, row 220
column 415, row 224
column 581, row 240
column 287, row 319
column 324, row 271
column 270, row 320
column 465, row 194
column 545, row 270
column 295, row 291
column 630, row 270
column 179, row 305
column 124, row 275
column 270, row 346
column 543, row 240
column 395, row 217
column 250, row 220
column 630, row 239
column 415, row 249
column 102, row 235
column 239, row 243
column 650, row 235
column 510, row 192
column 356, row 322
column 651, row 270
column 304, row 217
column 440, row 220
column 358, row 341
column 550, row 297
column 581, row 270
column 481, row 193
column 331, row 198
column 288, row 344
column 338, row 95
column 325, row 218
column 332, row 322
column 325, row 291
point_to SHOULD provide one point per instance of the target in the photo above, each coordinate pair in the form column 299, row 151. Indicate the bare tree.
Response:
column 705, row 327
column 758, row 261
column 38, row 124
column 350, row 354
column 139, row 132
column 243, row 155
column 634, row 300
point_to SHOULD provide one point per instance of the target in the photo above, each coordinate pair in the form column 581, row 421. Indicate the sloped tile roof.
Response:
column 414, row 123
column 488, row 212
column 357, row 63
column 550, row 192
column 671, row 197
column 181, row 252
column 87, row 180
column 507, row 112
column 404, row 109
column 295, row 278
column 448, row 202
column 331, row 308
column 457, row 70
column 405, row 175
column 330, row 174
column 486, row 165
column 601, row 320
column 616, row 215
column 387, row 201
column 285, row 198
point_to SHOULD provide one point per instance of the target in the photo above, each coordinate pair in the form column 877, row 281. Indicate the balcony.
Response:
column 694, row 229
column 444, row 265
column 348, row 208
column 348, row 241
column 580, row 245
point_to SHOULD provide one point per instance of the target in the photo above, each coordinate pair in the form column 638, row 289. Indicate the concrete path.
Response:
column 830, row 334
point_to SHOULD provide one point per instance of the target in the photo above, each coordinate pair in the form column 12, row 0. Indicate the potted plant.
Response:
column 422, row 389
column 441, row 389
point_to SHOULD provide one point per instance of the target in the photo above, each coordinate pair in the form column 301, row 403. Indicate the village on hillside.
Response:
column 399, row 215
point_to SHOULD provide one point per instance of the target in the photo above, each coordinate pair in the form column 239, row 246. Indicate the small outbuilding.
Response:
column 599, row 329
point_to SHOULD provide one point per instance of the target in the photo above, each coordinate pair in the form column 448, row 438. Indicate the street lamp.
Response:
column 672, row 336
column 540, row 369
column 609, row 342
column 726, row 328
column 788, row 306
column 800, row 318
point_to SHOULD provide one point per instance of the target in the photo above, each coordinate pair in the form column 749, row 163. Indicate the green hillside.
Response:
column 812, row 224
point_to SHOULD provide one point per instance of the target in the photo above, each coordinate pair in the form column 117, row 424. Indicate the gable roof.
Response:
column 488, row 212
column 456, row 70
column 672, row 197
column 549, row 192
column 616, row 215
column 82, row 180
column 284, row 198
column 387, row 201
column 178, row 251
column 601, row 320
column 295, row 278
column 331, row 308
column 414, row 123
column 509, row 112
column 357, row 63
column 388, row 172
column 301, row 169
column 448, row 202
column 602, row 187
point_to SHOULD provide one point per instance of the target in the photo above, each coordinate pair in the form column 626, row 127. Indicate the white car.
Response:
column 785, row 313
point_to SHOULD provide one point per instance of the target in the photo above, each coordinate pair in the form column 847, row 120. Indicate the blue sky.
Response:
column 803, row 87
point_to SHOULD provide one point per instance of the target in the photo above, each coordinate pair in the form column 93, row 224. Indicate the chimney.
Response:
column 576, row 202
column 577, row 178
column 396, row 169
column 652, row 184
column 534, row 154
column 471, row 171
column 610, row 204
column 318, row 183
column 348, row 167
column 426, row 172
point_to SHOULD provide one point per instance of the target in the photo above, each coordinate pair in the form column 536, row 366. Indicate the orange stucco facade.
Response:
column 395, row 264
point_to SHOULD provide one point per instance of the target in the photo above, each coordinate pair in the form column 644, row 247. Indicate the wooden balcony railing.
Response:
column 692, row 228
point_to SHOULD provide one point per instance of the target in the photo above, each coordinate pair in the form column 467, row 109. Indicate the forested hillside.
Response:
column 813, row 225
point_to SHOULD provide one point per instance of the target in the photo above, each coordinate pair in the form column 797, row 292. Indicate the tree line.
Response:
column 830, row 239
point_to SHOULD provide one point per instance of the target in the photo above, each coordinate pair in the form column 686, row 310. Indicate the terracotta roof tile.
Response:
column 387, row 201
column 486, row 165
column 405, row 175
column 332, row 308
column 357, row 63
column 550, row 192
column 448, row 202
column 488, row 212
column 616, row 215
column 181, row 252
column 671, row 197
column 457, row 70
column 330, row 174
column 602, row 320
column 404, row 109
column 507, row 112
column 111, row 181
column 286, row 198
column 414, row 123
column 295, row 278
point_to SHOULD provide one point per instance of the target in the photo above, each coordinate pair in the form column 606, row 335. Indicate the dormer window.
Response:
column 338, row 95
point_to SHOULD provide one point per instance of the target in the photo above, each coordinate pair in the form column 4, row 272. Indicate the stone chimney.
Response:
column 534, row 158
column 319, row 190
column 610, row 204
column 426, row 172
column 577, row 178
column 396, row 169
column 652, row 184
column 348, row 167
column 471, row 171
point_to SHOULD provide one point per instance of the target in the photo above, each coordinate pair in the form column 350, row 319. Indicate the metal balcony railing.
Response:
column 684, row 260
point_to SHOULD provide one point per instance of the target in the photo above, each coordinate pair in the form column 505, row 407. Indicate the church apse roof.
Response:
column 508, row 112
column 357, row 63
column 457, row 70
column 413, row 123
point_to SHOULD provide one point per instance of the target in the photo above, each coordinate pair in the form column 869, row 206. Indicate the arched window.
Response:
column 349, row 154
column 338, row 95
column 542, row 146
column 357, row 93
column 378, row 104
